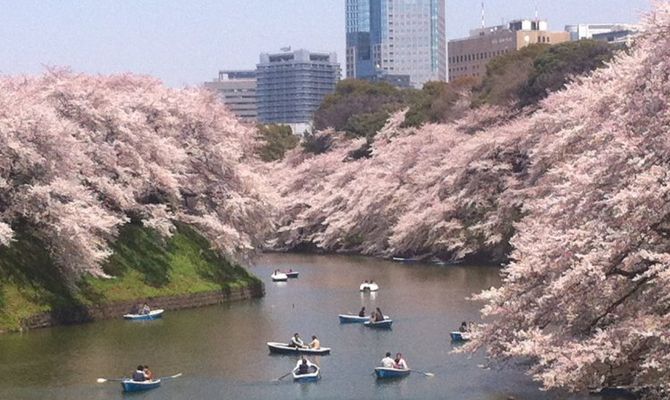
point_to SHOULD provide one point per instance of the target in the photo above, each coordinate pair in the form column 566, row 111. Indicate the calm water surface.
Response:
column 222, row 353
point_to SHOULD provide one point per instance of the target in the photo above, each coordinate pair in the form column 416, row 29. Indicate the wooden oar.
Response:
column 103, row 380
column 429, row 374
column 171, row 376
column 282, row 377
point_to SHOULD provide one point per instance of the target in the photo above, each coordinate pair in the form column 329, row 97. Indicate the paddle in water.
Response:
column 171, row 376
column 282, row 377
column 103, row 380
column 429, row 374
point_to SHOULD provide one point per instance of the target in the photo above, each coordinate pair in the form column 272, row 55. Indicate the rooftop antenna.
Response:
column 483, row 24
column 537, row 18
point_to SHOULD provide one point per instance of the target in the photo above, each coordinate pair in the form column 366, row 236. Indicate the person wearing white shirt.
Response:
column 388, row 362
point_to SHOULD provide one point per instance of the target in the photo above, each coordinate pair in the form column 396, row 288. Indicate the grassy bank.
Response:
column 143, row 265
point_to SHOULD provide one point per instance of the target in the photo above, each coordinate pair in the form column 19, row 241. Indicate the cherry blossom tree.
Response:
column 82, row 155
column 577, row 194
column 586, row 300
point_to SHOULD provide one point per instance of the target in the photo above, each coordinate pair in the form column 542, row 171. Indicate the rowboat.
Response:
column 279, row 277
column 369, row 287
column 387, row 373
column 385, row 324
column 406, row 260
column 313, row 375
column 350, row 318
column 130, row 385
column 457, row 336
column 284, row 348
column 153, row 314
column 292, row 274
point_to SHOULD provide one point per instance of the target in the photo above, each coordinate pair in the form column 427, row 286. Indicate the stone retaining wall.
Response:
column 116, row 310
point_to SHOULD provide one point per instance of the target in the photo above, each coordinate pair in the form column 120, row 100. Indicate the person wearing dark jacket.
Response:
column 138, row 376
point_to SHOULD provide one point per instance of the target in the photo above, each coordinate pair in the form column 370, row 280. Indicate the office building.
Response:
column 396, row 40
column 469, row 56
column 237, row 89
column 292, row 85
column 618, row 37
column 588, row 31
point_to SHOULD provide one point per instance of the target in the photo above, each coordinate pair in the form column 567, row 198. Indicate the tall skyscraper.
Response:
column 391, row 38
column 291, row 85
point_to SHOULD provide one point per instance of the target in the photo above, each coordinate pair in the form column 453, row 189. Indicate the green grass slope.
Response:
column 144, row 264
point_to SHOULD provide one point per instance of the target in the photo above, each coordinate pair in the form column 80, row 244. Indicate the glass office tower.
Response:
column 396, row 37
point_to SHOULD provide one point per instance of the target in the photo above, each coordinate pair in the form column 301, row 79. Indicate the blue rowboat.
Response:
column 153, row 314
column 350, row 318
column 130, row 385
column 387, row 373
column 313, row 375
column 457, row 336
column 385, row 324
column 284, row 348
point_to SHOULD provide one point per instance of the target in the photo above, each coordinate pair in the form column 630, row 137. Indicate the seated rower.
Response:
column 296, row 342
column 145, row 309
column 138, row 375
column 148, row 374
column 362, row 312
column 303, row 367
column 315, row 344
column 399, row 362
column 388, row 362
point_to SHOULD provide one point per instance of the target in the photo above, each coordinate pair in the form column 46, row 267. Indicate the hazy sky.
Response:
column 186, row 42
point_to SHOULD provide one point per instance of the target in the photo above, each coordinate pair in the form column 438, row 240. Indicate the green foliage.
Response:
column 525, row 77
column 318, row 143
column 367, row 124
column 358, row 107
column 506, row 75
column 553, row 68
column 275, row 141
column 143, row 265
column 437, row 102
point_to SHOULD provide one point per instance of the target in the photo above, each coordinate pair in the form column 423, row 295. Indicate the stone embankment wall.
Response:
column 116, row 310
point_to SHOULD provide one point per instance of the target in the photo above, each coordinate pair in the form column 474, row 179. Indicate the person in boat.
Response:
column 388, row 362
column 378, row 315
column 315, row 344
column 303, row 366
column 148, row 374
column 145, row 309
column 362, row 312
column 138, row 375
column 297, row 342
column 399, row 362
column 464, row 327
